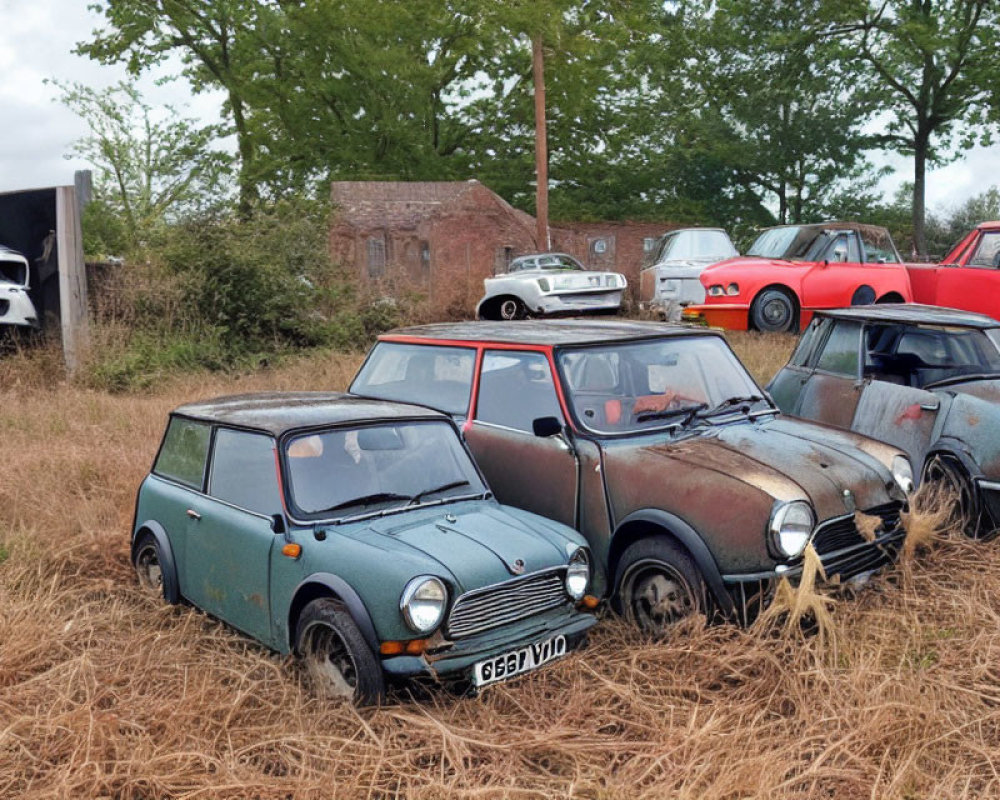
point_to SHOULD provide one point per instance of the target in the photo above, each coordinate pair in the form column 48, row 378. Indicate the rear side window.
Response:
column 184, row 452
column 439, row 377
column 805, row 347
column 243, row 471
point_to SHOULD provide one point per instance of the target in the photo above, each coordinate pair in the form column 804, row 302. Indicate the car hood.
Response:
column 781, row 459
column 474, row 544
column 752, row 262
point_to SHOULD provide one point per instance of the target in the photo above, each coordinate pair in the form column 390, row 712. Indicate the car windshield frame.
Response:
column 709, row 411
column 394, row 501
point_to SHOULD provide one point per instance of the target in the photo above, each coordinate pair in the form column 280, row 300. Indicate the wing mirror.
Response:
column 546, row 426
column 278, row 524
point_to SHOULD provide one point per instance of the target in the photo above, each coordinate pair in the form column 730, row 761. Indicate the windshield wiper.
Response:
column 687, row 412
column 443, row 488
column 729, row 402
column 365, row 500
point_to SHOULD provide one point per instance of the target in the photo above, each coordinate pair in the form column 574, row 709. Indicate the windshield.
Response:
column 13, row 272
column 550, row 261
column 344, row 472
column 697, row 244
column 774, row 242
column 646, row 385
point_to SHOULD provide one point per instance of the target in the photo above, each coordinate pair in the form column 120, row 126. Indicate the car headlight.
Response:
column 791, row 526
column 902, row 473
column 543, row 284
column 577, row 574
column 423, row 602
column 733, row 289
column 716, row 290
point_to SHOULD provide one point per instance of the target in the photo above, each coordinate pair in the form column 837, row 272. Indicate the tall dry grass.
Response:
column 104, row 693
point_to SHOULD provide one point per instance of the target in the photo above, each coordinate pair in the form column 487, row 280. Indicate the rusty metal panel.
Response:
column 829, row 398
column 900, row 415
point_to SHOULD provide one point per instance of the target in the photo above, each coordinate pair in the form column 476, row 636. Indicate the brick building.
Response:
column 443, row 238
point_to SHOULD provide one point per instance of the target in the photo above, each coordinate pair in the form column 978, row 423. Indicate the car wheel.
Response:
column 338, row 660
column 659, row 585
column 512, row 308
column 773, row 310
column 947, row 472
column 148, row 566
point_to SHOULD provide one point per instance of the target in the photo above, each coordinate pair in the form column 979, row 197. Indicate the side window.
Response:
column 515, row 389
column 840, row 353
column 439, row 377
column 843, row 249
column 878, row 247
column 243, row 471
column 805, row 346
column 987, row 252
column 184, row 452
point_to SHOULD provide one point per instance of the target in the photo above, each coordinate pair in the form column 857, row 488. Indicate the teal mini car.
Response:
column 360, row 535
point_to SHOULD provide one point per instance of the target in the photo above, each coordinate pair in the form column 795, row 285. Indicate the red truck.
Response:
column 793, row 270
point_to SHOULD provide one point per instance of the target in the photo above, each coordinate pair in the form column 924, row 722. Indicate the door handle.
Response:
column 930, row 406
column 193, row 514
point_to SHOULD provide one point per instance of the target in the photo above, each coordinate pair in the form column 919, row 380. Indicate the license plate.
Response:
column 516, row 662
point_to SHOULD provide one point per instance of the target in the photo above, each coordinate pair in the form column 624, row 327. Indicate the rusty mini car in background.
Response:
column 655, row 442
column 924, row 379
column 548, row 284
column 359, row 535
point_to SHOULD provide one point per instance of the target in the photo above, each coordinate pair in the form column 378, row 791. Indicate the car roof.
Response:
column 7, row 254
column 278, row 412
column 546, row 253
column 912, row 314
column 993, row 224
column 553, row 333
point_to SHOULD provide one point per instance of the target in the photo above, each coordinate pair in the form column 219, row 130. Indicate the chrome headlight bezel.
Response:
column 577, row 574
column 902, row 474
column 791, row 527
column 423, row 593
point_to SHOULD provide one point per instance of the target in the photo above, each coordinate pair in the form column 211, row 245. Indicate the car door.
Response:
column 536, row 473
column 786, row 386
column 833, row 386
column 975, row 284
column 900, row 415
column 838, row 272
column 231, row 543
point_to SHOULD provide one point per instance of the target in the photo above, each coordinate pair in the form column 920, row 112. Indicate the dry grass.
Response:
column 104, row 693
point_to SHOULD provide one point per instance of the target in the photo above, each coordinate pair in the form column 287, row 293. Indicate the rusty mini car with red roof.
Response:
column 693, row 491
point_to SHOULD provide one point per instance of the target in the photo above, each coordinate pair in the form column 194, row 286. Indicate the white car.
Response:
column 16, row 307
column 671, row 281
column 546, row 284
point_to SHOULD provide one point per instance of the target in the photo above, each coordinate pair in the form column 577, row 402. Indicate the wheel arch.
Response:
column 656, row 522
column 891, row 297
column 326, row 584
column 489, row 307
column 168, row 565
column 955, row 449
column 781, row 287
column 863, row 291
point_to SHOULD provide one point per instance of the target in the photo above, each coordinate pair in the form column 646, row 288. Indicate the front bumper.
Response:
column 455, row 659
column 580, row 302
column 731, row 316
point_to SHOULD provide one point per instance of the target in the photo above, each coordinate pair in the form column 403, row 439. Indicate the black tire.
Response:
column 148, row 562
column 774, row 311
column 338, row 660
column 657, row 585
column 948, row 472
column 510, row 308
column 863, row 296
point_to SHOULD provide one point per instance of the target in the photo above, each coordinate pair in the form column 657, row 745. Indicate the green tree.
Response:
column 151, row 166
column 931, row 65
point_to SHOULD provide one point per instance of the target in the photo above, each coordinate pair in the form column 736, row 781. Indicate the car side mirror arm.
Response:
column 278, row 524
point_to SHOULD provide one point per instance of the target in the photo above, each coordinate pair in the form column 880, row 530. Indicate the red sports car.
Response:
column 793, row 270
column 967, row 278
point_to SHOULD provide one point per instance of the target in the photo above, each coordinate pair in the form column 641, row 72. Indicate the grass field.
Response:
column 107, row 694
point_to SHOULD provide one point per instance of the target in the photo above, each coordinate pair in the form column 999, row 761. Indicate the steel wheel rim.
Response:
column 329, row 662
column 656, row 596
column 776, row 312
column 508, row 309
column 147, row 567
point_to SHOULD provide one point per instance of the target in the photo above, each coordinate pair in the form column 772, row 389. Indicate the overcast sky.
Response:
column 36, row 42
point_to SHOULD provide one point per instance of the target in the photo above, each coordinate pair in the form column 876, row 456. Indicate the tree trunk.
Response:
column 248, row 186
column 541, row 148
column 782, row 203
column 919, row 186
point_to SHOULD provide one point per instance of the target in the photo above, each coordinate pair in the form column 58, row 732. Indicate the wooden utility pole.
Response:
column 541, row 147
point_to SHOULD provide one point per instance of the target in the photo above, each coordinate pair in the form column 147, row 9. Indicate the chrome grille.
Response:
column 483, row 609
column 842, row 532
